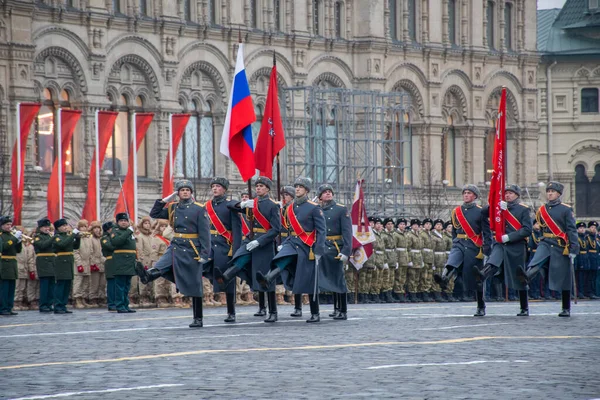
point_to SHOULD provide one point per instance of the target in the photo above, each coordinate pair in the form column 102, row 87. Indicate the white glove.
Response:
column 169, row 198
column 505, row 239
column 410, row 264
column 503, row 205
column 18, row 235
column 280, row 203
column 386, row 266
column 247, row 204
column 279, row 248
column 433, row 268
column 572, row 257
column 201, row 261
column 422, row 265
column 76, row 231
column 397, row 265
column 342, row 257
column 131, row 229
column 252, row 245
column 346, row 267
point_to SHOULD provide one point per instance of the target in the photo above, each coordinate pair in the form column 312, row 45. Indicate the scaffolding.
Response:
column 337, row 136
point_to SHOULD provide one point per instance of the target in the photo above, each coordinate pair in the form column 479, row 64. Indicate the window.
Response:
column 277, row 15
column 490, row 25
column 508, row 26
column 452, row 22
column 448, row 159
column 194, row 158
column 70, row 3
column 212, row 11
column 316, row 17
column 253, row 14
column 582, row 184
column 338, row 19
column 393, row 19
column 488, row 144
column 116, row 6
column 412, row 20
column 589, row 100
column 406, row 140
column 187, row 10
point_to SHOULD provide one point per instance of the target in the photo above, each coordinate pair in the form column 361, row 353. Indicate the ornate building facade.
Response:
column 451, row 57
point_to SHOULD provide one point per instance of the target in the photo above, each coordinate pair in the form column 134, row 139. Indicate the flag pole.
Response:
column 272, row 139
column 170, row 150
column 135, row 172
column 19, row 183
column 60, row 170
column 97, row 154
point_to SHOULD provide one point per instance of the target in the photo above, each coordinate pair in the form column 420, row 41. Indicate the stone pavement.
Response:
column 422, row 351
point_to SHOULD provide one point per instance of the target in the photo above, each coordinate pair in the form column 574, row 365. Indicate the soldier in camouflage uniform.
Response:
column 427, row 271
column 415, row 265
column 365, row 274
column 403, row 259
column 379, row 254
column 439, row 256
column 391, row 262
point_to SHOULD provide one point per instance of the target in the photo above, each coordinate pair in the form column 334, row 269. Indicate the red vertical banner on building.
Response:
column 498, row 181
column 177, row 129
column 105, row 124
column 126, row 201
column 26, row 113
column 56, row 187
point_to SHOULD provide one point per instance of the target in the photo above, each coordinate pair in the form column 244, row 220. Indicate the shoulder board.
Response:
column 340, row 205
column 199, row 204
column 272, row 200
column 478, row 206
column 523, row 205
column 565, row 204
column 312, row 202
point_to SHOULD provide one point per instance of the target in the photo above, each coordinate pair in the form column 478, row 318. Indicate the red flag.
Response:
column 363, row 236
column 105, row 124
column 56, row 187
column 142, row 123
column 498, row 180
column 26, row 113
column 178, row 124
column 271, row 138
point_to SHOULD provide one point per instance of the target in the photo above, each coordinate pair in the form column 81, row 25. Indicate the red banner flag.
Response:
column 56, row 187
column 105, row 124
column 26, row 113
column 271, row 138
column 498, row 180
column 363, row 236
column 127, row 197
column 178, row 124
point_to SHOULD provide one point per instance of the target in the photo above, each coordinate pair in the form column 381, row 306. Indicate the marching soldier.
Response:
column 427, row 271
column 338, row 247
column 33, row 283
column 389, row 270
column 593, row 258
column 558, row 248
column 415, row 265
column 226, row 235
column 10, row 245
column 379, row 261
column 163, row 289
column 403, row 260
column 44, row 261
column 300, row 255
column 532, row 244
column 109, row 267
column 64, row 242
column 470, row 240
column 258, row 249
column 510, row 255
column 365, row 274
column 183, row 261
column 122, row 240
column 448, row 229
column 438, row 246
column 581, row 261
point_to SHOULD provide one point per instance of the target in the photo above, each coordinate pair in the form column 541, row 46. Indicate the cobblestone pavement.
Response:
column 422, row 351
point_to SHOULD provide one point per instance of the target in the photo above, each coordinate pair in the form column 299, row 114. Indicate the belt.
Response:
column 259, row 230
column 389, row 250
column 534, row 250
column 125, row 251
column 335, row 237
column 9, row 257
column 592, row 251
column 439, row 253
column 550, row 235
column 65, row 253
column 109, row 258
column 462, row 236
column 307, row 233
column 583, row 252
column 285, row 234
column 400, row 249
column 447, row 252
column 378, row 252
column 188, row 235
column 427, row 250
column 45, row 255
column 415, row 251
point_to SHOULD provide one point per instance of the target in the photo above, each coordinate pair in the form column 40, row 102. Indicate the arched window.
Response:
column 488, row 144
column 116, row 4
column 452, row 35
column 144, row 8
column 412, row 20
column 491, row 24
column 582, row 186
column 508, row 26
column 338, row 19
column 212, row 12
column 195, row 156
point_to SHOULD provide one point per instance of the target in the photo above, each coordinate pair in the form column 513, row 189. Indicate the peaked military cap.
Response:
column 265, row 181
column 107, row 226
column 415, row 221
column 513, row 188
column 289, row 190
column 581, row 224
column 5, row 219
column 121, row 216
column 44, row 222
column 304, row 182
column 60, row 222
column 592, row 223
column 426, row 220
column 472, row 188
column 323, row 188
column 438, row 221
column 386, row 220
column 559, row 187
column 221, row 182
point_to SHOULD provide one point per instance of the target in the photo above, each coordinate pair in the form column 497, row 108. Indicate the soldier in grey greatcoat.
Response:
column 510, row 255
column 183, row 261
column 558, row 248
column 298, row 260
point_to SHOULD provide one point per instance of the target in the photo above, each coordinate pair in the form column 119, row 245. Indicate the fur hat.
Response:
column 121, row 216
column 288, row 190
column 44, row 222
column 306, row 183
column 224, row 182
column 184, row 183
column 513, row 188
column 82, row 222
column 323, row 188
column 472, row 188
column 60, row 222
column 265, row 181
column 559, row 187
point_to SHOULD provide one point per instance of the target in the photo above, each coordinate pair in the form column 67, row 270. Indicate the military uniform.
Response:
column 109, row 267
column 379, row 261
column 25, row 261
column 63, row 244
column 428, row 259
column 438, row 245
column 415, row 265
column 97, row 276
column 124, row 262
column 557, row 248
column 365, row 275
column 532, row 244
column 448, row 242
column 582, row 264
column 402, row 254
column 593, row 259
column 44, row 261
column 144, row 249
column 10, row 245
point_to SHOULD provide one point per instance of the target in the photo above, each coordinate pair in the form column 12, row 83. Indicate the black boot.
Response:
column 480, row 304
column 524, row 304
column 336, row 305
column 297, row 306
column 437, row 297
column 265, row 280
column 366, row 298
column 147, row 276
column 412, row 297
column 566, row 304
column 272, row 307
column 314, row 309
column 418, row 298
column 262, row 310
column 526, row 277
column 224, row 277
column 402, row 298
column 230, row 297
column 343, row 314
column 375, row 299
column 350, row 298
column 197, row 310
column 388, row 297
column 426, row 297
column 446, row 276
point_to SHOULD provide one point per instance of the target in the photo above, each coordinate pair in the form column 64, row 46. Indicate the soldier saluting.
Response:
column 64, row 242
column 44, row 262
column 183, row 261
column 558, row 247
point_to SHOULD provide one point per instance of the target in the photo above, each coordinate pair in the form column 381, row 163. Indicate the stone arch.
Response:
column 416, row 98
column 137, row 40
column 512, row 110
column 399, row 72
column 212, row 50
column 114, row 93
column 53, row 86
column 265, row 74
column 596, row 72
column 339, row 69
column 461, row 74
column 266, row 71
column 213, row 74
column 583, row 151
column 68, row 58
column 454, row 103
column 267, row 53
column 329, row 77
column 503, row 74
column 140, row 64
column 582, row 72
column 55, row 30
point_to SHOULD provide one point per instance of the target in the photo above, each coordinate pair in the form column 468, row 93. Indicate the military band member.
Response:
column 63, row 244
column 163, row 289
column 33, row 282
column 190, row 247
column 109, row 267
column 338, row 247
column 257, row 251
column 25, row 263
column 415, row 265
column 558, row 248
column 124, row 261
column 299, row 258
column 582, row 265
column 511, row 254
column 10, row 245
column 403, row 260
column 593, row 258
column 438, row 246
column 44, row 261
column 470, row 241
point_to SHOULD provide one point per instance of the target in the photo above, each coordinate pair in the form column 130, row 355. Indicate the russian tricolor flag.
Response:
column 236, row 142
